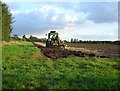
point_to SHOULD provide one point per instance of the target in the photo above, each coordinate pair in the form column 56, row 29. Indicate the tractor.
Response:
column 54, row 41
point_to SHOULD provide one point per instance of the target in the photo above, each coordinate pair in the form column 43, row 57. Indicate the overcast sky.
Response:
column 82, row 20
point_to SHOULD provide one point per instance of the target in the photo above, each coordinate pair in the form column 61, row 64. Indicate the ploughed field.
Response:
column 80, row 50
column 106, row 49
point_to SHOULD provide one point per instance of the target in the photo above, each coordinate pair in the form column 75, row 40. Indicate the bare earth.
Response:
column 80, row 50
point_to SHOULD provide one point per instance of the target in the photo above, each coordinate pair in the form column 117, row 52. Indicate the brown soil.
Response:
column 82, row 51
column 113, row 51
column 55, row 53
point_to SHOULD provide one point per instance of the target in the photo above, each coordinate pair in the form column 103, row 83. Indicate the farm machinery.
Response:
column 54, row 41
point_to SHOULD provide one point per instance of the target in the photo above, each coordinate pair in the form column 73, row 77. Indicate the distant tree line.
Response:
column 74, row 40
column 30, row 39
column 15, row 37
column 34, row 39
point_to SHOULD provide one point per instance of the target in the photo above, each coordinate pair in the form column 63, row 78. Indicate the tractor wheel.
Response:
column 47, row 43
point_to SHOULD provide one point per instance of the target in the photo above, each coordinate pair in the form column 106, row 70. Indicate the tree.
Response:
column 7, row 21
column 15, row 37
column 75, row 40
column 24, row 38
column 65, row 41
column 71, row 40
column 32, row 39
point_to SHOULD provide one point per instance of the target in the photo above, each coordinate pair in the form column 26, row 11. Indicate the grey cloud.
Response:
column 99, row 12
column 36, row 21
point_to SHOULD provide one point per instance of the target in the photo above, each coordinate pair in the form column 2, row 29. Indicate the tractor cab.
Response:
column 53, row 40
column 52, row 35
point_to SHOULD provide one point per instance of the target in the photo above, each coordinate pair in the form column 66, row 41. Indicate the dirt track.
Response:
column 55, row 53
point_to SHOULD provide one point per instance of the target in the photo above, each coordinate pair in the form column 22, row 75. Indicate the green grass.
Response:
column 21, row 70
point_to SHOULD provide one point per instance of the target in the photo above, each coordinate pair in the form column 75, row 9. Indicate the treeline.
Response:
column 35, row 39
column 74, row 40
column 30, row 39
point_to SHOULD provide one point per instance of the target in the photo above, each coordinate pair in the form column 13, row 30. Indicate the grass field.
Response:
column 25, row 68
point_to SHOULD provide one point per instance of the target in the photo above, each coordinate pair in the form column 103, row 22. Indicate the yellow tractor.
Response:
column 54, row 41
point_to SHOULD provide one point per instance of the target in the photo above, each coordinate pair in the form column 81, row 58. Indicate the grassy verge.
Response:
column 23, row 70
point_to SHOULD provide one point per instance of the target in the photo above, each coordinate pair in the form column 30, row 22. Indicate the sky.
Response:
column 82, row 20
